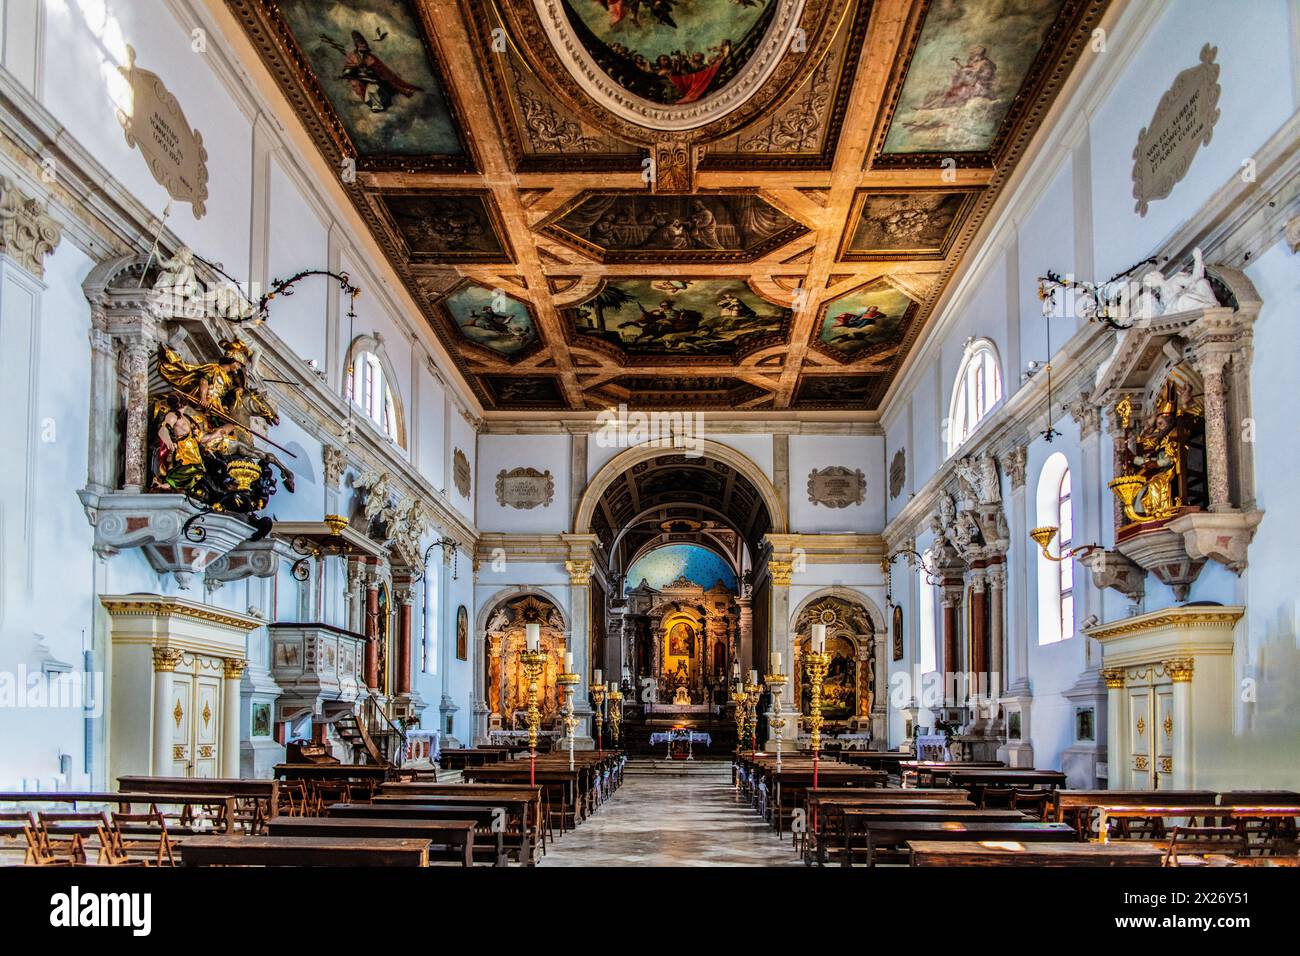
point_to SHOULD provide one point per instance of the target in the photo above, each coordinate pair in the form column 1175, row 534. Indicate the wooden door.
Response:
column 205, row 761
column 1163, row 733
column 1140, row 730
column 182, row 724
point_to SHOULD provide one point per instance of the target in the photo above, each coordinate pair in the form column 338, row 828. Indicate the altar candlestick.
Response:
column 599, row 677
column 818, row 638
column 533, row 635
column 753, row 676
column 735, row 670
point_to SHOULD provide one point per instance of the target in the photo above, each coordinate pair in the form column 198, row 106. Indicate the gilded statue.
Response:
column 1163, row 457
column 203, row 434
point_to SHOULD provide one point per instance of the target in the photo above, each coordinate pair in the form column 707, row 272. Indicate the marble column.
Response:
column 997, row 579
column 952, row 601
column 978, row 626
column 372, row 630
column 405, row 597
column 1210, row 363
column 1180, row 673
column 1118, row 777
column 102, row 462
column 580, row 567
column 782, row 640
column 231, row 707
column 137, row 415
column 746, row 625
column 165, row 660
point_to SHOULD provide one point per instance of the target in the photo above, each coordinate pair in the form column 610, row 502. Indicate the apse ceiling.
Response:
column 733, row 204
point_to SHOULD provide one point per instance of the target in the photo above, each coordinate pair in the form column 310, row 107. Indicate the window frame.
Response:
column 974, row 395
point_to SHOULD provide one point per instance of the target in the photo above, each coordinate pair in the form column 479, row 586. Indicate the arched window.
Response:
column 1056, row 578
column 978, row 389
column 429, row 646
column 368, row 387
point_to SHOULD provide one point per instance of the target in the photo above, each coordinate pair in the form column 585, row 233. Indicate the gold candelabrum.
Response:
column 752, row 692
column 534, row 664
column 568, row 682
column 776, row 684
column 816, row 663
column 598, row 699
column 1044, row 535
column 615, row 698
column 739, row 700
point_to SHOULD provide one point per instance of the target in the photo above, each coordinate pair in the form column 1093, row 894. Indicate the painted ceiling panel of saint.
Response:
column 492, row 319
column 446, row 226
column 963, row 86
column 713, row 204
column 640, row 227
column 371, row 69
column 669, row 318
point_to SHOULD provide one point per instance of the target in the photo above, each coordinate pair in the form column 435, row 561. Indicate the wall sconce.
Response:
column 449, row 547
column 1044, row 536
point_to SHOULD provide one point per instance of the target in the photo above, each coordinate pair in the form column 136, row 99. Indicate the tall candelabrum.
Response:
column 816, row 661
column 776, row 684
column 615, row 698
column 598, row 698
column 534, row 662
column 740, row 701
column 569, row 681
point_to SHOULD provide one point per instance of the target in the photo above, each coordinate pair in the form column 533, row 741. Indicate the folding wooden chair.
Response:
column 1229, row 840
column 70, row 830
column 141, row 829
column 1037, row 801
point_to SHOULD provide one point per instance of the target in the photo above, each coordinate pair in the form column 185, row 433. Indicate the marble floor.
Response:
column 667, row 820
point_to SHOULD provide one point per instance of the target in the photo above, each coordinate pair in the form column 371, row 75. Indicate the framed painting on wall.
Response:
column 462, row 634
column 898, row 633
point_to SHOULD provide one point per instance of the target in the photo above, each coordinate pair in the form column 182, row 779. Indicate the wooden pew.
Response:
column 890, row 837
column 485, row 824
column 934, row 773
column 301, row 851
column 448, row 839
column 521, row 809
column 255, row 800
column 462, row 757
column 855, row 819
column 823, row 809
column 1077, row 806
column 571, row 790
column 540, row 803
column 1014, row 853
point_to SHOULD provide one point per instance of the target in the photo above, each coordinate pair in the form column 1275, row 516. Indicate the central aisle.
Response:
column 665, row 819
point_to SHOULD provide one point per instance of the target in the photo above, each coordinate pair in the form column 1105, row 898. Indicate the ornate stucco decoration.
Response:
column 335, row 461
column 1013, row 465
column 400, row 521
column 1183, row 122
column 27, row 233
column 525, row 488
column 157, row 125
column 461, row 472
column 837, row 486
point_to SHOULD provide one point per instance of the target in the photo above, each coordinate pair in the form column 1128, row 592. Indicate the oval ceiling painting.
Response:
column 670, row 64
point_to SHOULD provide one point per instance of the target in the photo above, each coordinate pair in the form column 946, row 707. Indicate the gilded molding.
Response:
column 579, row 571
column 233, row 667
column 1207, row 617
column 1114, row 678
column 781, row 572
column 1179, row 669
column 176, row 609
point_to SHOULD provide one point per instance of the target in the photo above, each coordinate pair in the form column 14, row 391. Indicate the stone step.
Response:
column 678, row 768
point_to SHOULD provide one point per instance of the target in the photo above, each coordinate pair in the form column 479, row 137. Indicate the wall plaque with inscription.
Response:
column 1183, row 123
column 836, row 486
column 460, row 472
column 525, row 488
column 157, row 124
column 897, row 473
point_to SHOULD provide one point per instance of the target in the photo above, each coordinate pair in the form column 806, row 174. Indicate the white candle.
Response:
column 735, row 670
column 568, row 662
column 600, row 676
column 778, row 662
column 753, row 677
column 533, row 634
column 818, row 638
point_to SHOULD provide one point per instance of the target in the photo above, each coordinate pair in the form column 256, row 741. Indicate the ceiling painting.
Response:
column 905, row 225
column 864, row 322
column 492, row 319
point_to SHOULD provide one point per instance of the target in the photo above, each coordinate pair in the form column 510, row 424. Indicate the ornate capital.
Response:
column 780, row 572
column 233, row 667
column 1179, row 669
column 27, row 233
column 165, row 659
column 579, row 571
column 1086, row 414
column 335, row 460
column 1114, row 677
column 1013, row 465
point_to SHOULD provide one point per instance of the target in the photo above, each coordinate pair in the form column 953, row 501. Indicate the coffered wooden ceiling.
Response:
column 741, row 204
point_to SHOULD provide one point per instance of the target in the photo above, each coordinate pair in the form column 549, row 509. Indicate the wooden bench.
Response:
column 255, row 801
column 1078, row 806
column 854, row 821
column 538, row 797
column 487, row 824
column 890, row 837
column 448, row 839
column 301, row 851
column 1015, row 853
column 521, row 811
column 822, row 812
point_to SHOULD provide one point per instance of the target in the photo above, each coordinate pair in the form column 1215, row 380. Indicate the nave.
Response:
column 674, row 817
